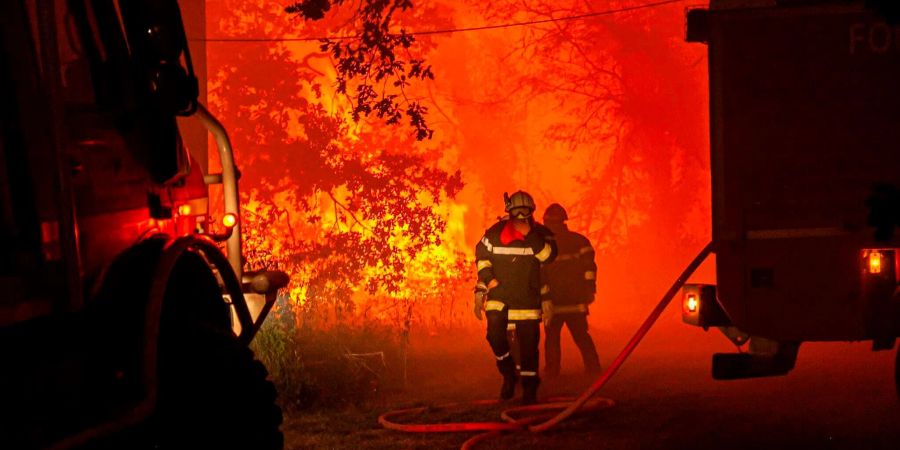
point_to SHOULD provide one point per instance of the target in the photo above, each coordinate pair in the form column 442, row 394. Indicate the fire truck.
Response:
column 805, row 162
column 123, row 323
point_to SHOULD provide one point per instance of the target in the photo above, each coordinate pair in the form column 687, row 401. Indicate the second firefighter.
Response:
column 572, row 280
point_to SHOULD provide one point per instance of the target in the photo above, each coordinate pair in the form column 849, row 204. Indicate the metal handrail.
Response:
column 229, row 180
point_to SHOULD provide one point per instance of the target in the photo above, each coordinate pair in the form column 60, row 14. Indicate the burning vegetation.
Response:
column 372, row 161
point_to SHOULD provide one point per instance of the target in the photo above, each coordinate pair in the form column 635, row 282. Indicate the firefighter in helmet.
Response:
column 508, row 259
column 571, row 282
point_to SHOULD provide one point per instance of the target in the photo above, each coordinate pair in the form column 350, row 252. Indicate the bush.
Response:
column 344, row 364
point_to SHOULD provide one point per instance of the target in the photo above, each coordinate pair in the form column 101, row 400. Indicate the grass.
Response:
column 455, row 366
column 334, row 383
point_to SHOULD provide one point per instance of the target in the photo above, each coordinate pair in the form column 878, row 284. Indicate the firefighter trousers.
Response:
column 578, row 326
column 528, row 336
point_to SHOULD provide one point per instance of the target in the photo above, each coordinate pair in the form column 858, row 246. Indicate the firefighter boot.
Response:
column 593, row 369
column 529, row 390
column 508, row 370
column 508, row 389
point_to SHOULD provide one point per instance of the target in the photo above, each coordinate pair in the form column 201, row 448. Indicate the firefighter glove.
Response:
column 547, row 312
column 479, row 304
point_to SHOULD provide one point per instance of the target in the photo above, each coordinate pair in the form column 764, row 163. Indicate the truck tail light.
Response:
column 691, row 303
column 879, row 262
column 700, row 307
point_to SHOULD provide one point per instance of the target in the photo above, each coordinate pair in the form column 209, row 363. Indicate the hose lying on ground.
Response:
column 543, row 416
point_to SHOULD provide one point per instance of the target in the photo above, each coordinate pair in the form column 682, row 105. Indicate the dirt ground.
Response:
column 840, row 396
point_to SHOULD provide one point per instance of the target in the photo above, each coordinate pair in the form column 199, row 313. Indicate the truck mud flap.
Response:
column 736, row 366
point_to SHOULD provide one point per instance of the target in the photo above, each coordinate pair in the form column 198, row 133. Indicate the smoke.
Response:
column 606, row 116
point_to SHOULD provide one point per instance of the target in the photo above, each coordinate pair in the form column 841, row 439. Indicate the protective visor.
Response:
column 520, row 213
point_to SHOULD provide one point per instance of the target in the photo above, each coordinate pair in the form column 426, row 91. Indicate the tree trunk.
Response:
column 404, row 343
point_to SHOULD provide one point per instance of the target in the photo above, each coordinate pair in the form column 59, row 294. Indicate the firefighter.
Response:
column 508, row 259
column 571, row 283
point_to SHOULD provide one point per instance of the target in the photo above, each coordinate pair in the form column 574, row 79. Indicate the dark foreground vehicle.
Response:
column 122, row 323
column 805, row 135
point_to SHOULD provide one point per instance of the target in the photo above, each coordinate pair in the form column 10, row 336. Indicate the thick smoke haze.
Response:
column 606, row 116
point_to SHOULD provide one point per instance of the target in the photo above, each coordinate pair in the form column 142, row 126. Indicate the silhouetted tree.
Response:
column 375, row 64
column 347, row 208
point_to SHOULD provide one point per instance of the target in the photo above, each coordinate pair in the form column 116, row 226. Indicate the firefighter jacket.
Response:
column 516, row 266
column 570, row 281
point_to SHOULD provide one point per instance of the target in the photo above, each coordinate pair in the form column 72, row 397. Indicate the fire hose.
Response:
column 542, row 417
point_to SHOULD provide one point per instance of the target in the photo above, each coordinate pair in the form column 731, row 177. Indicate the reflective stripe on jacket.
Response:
column 513, row 314
column 516, row 266
column 579, row 308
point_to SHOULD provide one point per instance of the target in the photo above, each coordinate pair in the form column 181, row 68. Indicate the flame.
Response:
column 632, row 171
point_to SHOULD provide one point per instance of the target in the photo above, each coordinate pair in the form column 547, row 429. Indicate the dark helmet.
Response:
column 520, row 205
column 555, row 213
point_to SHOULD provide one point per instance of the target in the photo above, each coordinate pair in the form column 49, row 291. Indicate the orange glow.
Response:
column 184, row 210
column 229, row 220
column 615, row 131
column 876, row 260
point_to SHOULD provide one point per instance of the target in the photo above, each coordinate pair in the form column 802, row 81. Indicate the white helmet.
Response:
column 520, row 205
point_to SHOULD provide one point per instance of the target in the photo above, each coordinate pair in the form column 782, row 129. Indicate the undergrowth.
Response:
column 339, row 365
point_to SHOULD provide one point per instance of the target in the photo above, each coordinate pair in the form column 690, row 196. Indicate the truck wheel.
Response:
column 213, row 393
column 897, row 372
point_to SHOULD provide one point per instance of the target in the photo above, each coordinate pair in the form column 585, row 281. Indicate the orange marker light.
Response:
column 229, row 220
column 875, row 262
column 184, row 210
column 691, row 303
